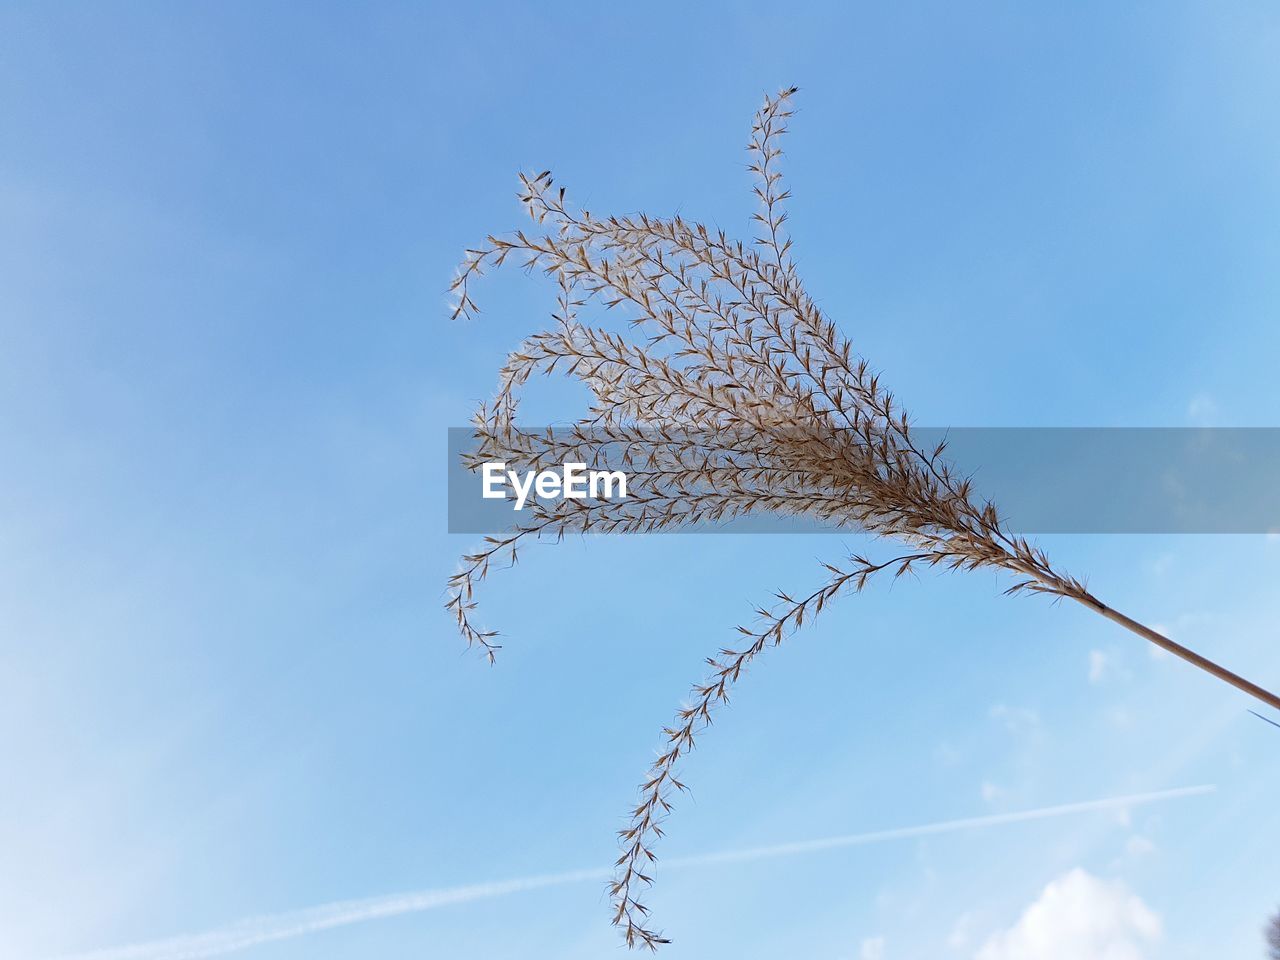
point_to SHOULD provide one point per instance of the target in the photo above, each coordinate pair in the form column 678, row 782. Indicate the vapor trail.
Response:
column 297, row 923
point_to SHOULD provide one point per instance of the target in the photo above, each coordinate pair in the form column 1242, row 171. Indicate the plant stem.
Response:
column 1208, row 666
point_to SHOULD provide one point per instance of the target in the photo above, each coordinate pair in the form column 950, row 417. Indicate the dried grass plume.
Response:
column 731, row 394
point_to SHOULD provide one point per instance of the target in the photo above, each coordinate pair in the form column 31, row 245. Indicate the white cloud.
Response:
column 872, row 949
column 1202, row 410
column 1120, row 717
column 1079, row 917
column 1098, row 664
column 991, row 792
column 1017, row 720
column 1139, row 846
column 949, row 755
column 961, row 934
column 1136, row 848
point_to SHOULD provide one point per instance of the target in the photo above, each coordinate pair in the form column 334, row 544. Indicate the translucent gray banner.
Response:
column 1042, row 479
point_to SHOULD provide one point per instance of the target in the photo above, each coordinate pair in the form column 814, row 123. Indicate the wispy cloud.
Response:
column 297, row 923
column 1099, row 664
column 1202, row 410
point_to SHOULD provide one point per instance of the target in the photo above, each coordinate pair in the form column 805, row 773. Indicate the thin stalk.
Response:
column 1177, row 649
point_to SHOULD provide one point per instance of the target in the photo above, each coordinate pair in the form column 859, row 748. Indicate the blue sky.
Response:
column 227, row 686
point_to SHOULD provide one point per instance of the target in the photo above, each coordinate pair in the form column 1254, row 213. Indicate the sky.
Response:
column 228, row 687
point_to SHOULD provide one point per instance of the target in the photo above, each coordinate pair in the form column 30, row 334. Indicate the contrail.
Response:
column 297, row 923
